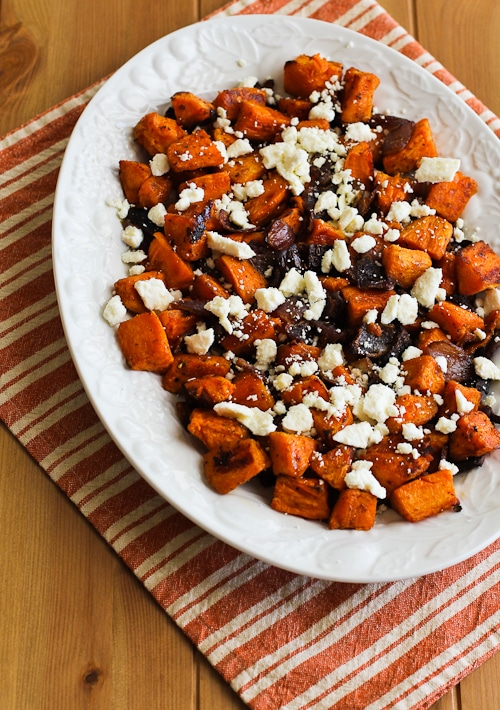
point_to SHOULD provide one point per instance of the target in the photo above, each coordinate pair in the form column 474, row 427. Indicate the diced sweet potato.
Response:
column 244, row 278
column 477, row 268
column 302, row 386
column 322, row 232
column 305, row 74
column 304, row 497
column 125, row 288
column 359, row 160
column 447, row 264
column 194, row 151
column 257, row 325
column 389, row 189
column 259, row 123
column 214, row 185
column 428, row 336
column 449, row 199
column 131, row 175
column 295, row 108
column 290, row 454
column 405, row 265
column 357, row 97
column 425, row 496
column 421, row 145
column 250, row 389
column 327, row 426
column 230, row 99
column 245, row 168
column 186, row 366
column 431, row 234
column 450, row 404
column 187, row 233
column 459, row 323
column 392, row 469
column 155, row 133
column 215, row 431
column 144, row 343
column 177, row 324
column 475, row 435
column 178, row 274
column 360, row 301
column 415, row 409
column 206, row 287
column 424, row 375
column 333, row 466
column 229, row 467
column 354, row 510
column 191, row 110
column 270, row 203
column 210, row 389
column 289, row 353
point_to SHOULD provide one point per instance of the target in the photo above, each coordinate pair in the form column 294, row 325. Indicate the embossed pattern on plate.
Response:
column 138, row 414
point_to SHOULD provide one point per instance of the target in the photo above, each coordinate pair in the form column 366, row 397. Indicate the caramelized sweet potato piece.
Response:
column 259, row 123
column 327, row 426
column 431, row 234
column 447, row 264
column 229, row 467
column 359, row 160
column 188, row 366
column 389, row 189
column 191, row 110
column 295, row 108
column 177, row 324
column 156, row 133
column 357, row 97
column 475, row 435
column 193, row 151
column 322, row 232
column 257, row 325
column 250, row 389
column 424, row 374
column 459, row 323
column 125, row 288
column 245, row 168
column 177, row 273
column 333, row 466
column 304, row 497
column 242, row 275
column 131, row 175
column 354, row 510
column 391, row 468
column 421, row 145
column 187, row 233
column 302, row 386
column 206, row 287
column 415, row 409
column 230, row 99
column 290, row 454
column 270, row 203
column 403, row 265
column 215, row 431
column 289, row 353
column 305, row 74
column 360, row 301
column 144, row 343
column 214, row 185
column 425, row 496
column 428, row 336
column 449, row 199
column 209, row 389
column 450, row 404
column 477, row 268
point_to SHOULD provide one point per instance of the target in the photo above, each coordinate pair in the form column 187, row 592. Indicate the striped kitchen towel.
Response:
column 281, row 640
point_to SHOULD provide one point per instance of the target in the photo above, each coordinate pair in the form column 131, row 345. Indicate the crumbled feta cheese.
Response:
column 282, row 381
column 331, row 356
column 338, row 257
column 121, row 206
column 189, row 196
column 359, row 435
column 437, row 169
column 133, row 256
column 361, row 478
column 225, row 307
column 132, row 236
column 241, row 146
column 159, row 164
column 359, row 132
column 154, row 294
column 226, row 245
column 268, row 299
column 200, row 342
column 377, row 404
column 290, row 161
column 486, row 368
column 403, row 308
column 363, row 244
column 157, row 214
column 292, row 284
column 316, row 295
column 265, row 353
column 442, row 362
column 411, row 432
column 114, row 311
column 464, row 405
column 298, row 419
column 399, row 212
column 425, row 289
column 260, row 423
column 446, row 426
column 445, row 465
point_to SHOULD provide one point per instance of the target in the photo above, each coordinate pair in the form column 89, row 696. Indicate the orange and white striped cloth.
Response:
column 282, row 641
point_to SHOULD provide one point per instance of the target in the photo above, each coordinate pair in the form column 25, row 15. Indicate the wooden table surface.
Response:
column 77, row 629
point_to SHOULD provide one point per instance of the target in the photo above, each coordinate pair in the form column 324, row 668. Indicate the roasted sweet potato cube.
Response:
column 360, row 301
column 295, row 108
column 193, row 151
column 132, row 174
column 389, row 189
column 424, row 375
column 178, row 273
column 322, row 232
column 155, row 133
column 290, row 353
column 459, row 323
column 414, row 409
column 428, row 336
column 426, row 496
column 359, row 160
column 187, row 233
column 244, row 278
column 391, row 468
column 421, row 145
column 144, row 343
column 230, row 99
column 447, row 264
column 154, row 190
column 455, row 392
column 214, row 185
column 357, row 97
column 209, row 389
column 229, row 467
column 449, row 199
column 290, row 454
column 214, row 431
column 206, row 287
column 177, row 324
column 191, row 110
column 125, row 288
column 305, row 74
column 475, row 435
column 354, row 510
column 259, row 123
column 245, row 169
column 333, row 466
column 270, row 203
column 477, row 268
column 186, row 366
column 405, row 265
column 302, row 386
column 250, row 389
column 304, row 497
column 431, row 234
column 257, row 325
column 327, row 426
